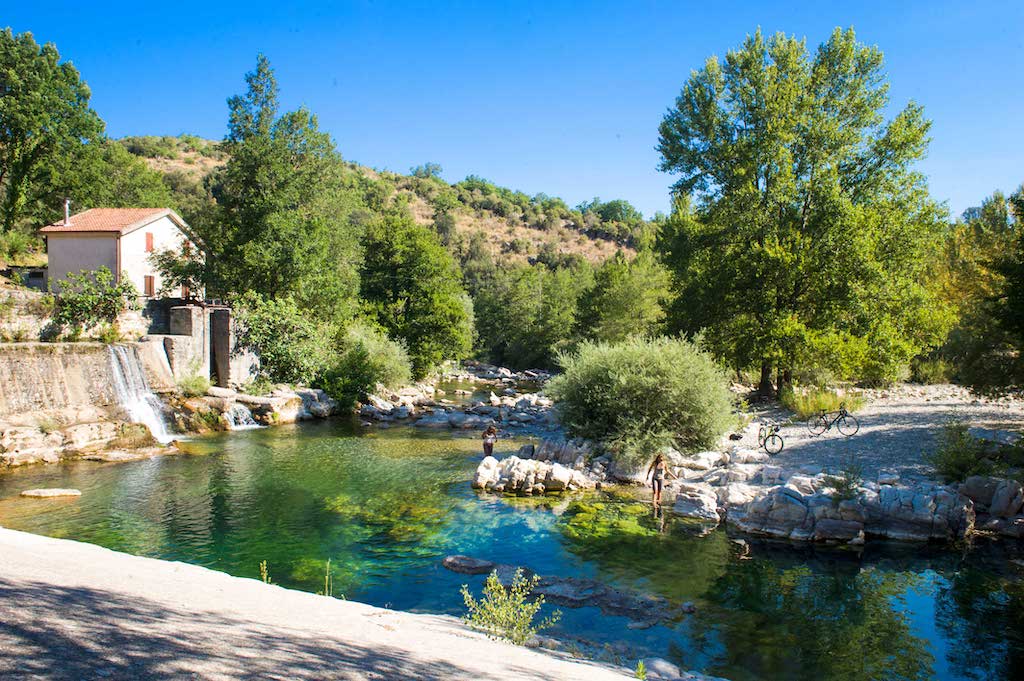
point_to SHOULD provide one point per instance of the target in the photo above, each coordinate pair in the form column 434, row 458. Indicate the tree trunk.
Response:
column 765, row 387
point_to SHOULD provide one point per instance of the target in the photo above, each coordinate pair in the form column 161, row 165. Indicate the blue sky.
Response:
column 559, row 97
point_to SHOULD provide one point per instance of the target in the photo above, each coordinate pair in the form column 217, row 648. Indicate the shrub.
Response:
column 959, row 455
column 194, row 385
column 661, row 387
column 931, row 371
column 292, row 348
column 807, row 403
column 845, row 485
column 506, row 613
column 366, row 357
column 109, row 334
column 90, row 298
column 132, row 436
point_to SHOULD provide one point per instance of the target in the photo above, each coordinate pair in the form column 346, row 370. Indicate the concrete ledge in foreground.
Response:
column 76, row 611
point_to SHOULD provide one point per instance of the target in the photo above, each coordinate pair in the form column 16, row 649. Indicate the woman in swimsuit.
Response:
column 660, row 471
column 490, row 436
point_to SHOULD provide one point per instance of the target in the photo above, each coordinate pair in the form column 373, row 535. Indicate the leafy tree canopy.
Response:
column 810, row 233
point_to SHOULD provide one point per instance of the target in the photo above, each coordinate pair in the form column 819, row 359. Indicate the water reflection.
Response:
column 385, row 508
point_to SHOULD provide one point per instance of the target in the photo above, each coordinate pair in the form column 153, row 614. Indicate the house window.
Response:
column 185, row 292
column 150, row 282
column 149, row 242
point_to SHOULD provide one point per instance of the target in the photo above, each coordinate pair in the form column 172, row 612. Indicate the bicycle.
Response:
column 768, row 437
column 844, row 422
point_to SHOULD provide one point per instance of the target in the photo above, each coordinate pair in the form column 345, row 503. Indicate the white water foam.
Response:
column 133, row 392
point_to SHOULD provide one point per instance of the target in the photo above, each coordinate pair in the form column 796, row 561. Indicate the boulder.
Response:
column 486, row 472
column 748, row 456
column 51, row 492
column 661, row 669
column 467, row 565
column 558, row 478
column 828, row 529
column 697, row 501
column 223, row 393
column 1007, row 499
column 625, row 472
column 702, row 460
column 980, row 489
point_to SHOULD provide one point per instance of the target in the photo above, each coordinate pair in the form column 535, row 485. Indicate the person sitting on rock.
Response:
column 659, row 470
column 490, row 436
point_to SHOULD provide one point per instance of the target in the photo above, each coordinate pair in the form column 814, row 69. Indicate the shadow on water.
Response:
column 386, row 507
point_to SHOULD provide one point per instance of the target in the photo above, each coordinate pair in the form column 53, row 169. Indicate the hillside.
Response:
column 510, row 224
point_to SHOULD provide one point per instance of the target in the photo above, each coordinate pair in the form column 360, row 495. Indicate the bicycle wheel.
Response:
column 762, row 432
column 773, row 444
column 817, row 425
column 848, row 425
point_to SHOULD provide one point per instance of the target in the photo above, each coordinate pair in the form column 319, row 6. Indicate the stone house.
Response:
column 120, row 239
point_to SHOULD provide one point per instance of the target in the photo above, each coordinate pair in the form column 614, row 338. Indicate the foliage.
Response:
column 627, row 298
column 279, row 226
column 411, row 286
column 641, row 670
column 18, row 246
column 45, row 122
column 366, row 357
column 292, row 347
column 811, row 234
column 193, row 385
column 526, row 314
column 185, row 268
column 811, row 402
column 109, row 333
column 89, row 298
column 265, row 573
column 930, row 371
column 611, row 391
column 507, row 613
column 106, row 175
column 960, row 455
column 845, row 485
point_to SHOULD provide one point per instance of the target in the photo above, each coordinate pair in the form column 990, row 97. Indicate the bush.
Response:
column 931, row 371
column 960, row 455
column 90, row 298
column 366, row 357
column 506, row 613
column 807, row 403
column 845, row 485
column 642, row 391
column 132, row 436
column 194, row 385
column 292, row 348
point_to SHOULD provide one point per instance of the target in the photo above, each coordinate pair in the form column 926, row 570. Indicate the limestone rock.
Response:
column 697, row 501
column 467, row 565
column 1007, row 499
column 51, row 492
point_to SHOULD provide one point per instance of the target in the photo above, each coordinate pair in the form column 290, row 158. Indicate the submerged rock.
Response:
column 51, row 492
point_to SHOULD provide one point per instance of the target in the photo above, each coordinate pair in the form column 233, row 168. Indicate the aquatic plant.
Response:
column 507, row 613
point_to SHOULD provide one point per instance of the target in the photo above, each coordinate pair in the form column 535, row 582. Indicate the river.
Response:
column 386, row 506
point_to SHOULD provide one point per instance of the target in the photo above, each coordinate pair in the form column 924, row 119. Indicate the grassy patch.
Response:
column 132, row 436
column 809, row 402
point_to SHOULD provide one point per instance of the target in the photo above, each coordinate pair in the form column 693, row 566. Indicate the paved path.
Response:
column 76, row 611
column 898, row 427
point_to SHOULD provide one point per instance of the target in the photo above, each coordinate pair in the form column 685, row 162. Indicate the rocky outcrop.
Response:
column 999, row 504
column 528, row 476
column 573, row 592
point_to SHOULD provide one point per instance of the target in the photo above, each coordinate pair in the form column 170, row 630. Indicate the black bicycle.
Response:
column 769, row 438
column 843, row 420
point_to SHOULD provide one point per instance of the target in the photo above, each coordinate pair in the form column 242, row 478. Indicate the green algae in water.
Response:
column 386, row 507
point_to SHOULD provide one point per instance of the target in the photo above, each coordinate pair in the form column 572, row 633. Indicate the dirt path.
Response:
column 897, row 428
column 76, row 611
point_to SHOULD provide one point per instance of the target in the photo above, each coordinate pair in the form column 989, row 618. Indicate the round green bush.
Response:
column 643, row 393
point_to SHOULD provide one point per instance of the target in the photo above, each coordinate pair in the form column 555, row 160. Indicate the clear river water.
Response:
column 386, row 506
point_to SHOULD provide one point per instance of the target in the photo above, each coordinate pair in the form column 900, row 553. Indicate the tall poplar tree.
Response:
column 801, row 230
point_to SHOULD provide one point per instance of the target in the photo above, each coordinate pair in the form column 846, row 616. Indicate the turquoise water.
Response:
column 386, row 507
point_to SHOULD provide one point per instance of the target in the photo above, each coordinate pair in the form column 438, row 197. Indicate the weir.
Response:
column 133, row 393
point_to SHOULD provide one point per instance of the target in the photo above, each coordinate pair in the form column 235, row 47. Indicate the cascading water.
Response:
column 240, row 418
column 133, row 392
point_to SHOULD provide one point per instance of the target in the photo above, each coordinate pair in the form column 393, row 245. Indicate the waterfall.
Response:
column 133, row 392
column 240, row 418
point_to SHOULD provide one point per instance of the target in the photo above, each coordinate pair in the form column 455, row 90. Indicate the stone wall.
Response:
column 47, row 376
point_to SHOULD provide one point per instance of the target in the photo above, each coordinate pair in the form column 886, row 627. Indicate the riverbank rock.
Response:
column 523, row 475
column 697, row 501
column 50, row 493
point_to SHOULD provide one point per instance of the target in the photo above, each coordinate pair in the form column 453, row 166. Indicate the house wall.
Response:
column 72, row 253
column 135, row 265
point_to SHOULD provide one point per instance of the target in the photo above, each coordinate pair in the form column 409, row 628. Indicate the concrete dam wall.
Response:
column 51, row 376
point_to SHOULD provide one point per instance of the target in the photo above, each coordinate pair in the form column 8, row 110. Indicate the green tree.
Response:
column 412, row 287
column 45, row 123
column 811, row 233
column 281, row 225
column 628, row 298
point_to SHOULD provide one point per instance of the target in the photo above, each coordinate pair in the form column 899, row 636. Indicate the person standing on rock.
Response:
column 490, row 436
column 657, row 472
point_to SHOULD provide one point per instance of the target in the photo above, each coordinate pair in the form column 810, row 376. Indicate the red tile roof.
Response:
column 122, row 220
